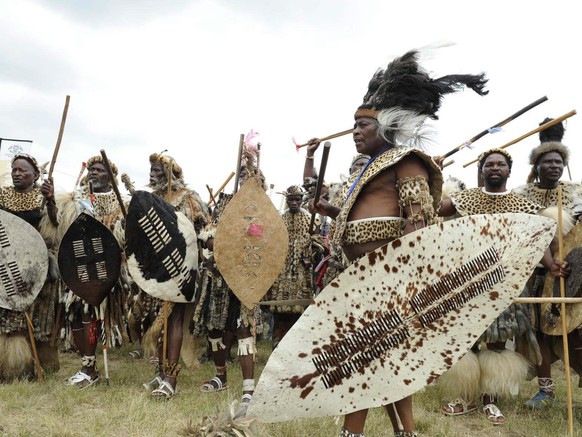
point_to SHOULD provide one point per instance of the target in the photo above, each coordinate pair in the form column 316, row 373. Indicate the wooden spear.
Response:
column 329, row 137
column 563, row 312
column 318, row 187
column 495, row 126
column 213, row 196
column 538, row 129
column 241, row 143
column 113, row 183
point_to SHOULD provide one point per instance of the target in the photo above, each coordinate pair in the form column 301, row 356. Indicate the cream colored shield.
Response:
column 400, row 316
column 251, row 243
column 551, row 322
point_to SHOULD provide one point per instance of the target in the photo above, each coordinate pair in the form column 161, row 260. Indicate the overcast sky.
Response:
column 191, row 76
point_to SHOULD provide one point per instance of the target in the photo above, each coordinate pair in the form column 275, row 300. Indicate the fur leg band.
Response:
column 502, row 372
column 246, row 346
column 216, row 344
column 88, row 360
column 248, row 385
column 172, row 369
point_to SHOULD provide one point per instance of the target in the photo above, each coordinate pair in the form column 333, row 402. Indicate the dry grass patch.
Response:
column 124, row 408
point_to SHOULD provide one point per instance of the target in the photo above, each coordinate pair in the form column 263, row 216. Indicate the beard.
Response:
column 496, row 183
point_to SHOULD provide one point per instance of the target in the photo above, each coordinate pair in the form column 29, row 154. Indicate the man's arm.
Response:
column 414, row 198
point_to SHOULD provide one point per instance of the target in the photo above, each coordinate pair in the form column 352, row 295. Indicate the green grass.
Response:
column 124, row 408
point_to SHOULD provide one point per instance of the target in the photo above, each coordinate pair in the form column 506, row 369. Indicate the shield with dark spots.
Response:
column 161, row 248
column 89, row 259
column 23, row 262
column 551, row 315
column 251, row 243
column 400, row 316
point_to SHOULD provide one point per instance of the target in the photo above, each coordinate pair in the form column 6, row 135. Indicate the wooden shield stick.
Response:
column 500, row 124
column 319, row 185
column 113, row 183
column 238, row 161
column 563, row 312
column 33, row 347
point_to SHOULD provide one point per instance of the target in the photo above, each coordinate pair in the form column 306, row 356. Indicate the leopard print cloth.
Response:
column 372, row 230
column 571, row 196
column 295, row 281
column 476, row 201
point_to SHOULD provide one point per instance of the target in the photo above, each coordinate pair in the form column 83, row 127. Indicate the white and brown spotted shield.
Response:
column 251, row 243
column 161, row 248
column 89, row 259
column 400, row 316
column 23, row 262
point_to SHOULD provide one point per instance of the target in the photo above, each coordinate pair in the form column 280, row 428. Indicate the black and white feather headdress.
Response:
column 404, row 95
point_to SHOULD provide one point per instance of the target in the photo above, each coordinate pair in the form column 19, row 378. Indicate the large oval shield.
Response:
column 400, row 316
column 551, row 318
column 23, row 262
column 89, row 259
column 161, row 248
column 251, row 243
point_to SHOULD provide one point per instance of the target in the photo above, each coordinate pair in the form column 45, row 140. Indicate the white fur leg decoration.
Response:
column 246, row 346
column 216, row 344
column 463, row 380
column 248, row 385
column 15, row 357
column 502, row 372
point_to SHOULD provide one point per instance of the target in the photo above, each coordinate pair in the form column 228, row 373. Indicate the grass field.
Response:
column 124, row 408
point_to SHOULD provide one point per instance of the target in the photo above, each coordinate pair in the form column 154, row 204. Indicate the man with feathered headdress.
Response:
column 398, row 189
column 547, row 161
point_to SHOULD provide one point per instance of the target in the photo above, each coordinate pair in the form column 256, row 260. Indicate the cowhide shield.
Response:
column 251, row 243
column 400, row 316
column 551, row 321
column 89, row 259
column 161, row 248
column 23, row 262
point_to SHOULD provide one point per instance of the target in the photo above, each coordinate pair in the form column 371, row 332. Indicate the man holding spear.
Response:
column 547, row 162
column 97, row 198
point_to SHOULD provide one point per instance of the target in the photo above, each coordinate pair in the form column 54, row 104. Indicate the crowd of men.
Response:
column 392, row 191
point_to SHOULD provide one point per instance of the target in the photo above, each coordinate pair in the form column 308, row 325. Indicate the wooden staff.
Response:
column 563, row 312
column 322, row 167
column 33, row 346
column 495, row 126
column 541, row 128
column 113, row 183
column 329, row 137
column 58, row 145
column 241, row 143
column 166, row 303
column 213, row 196
column 60, row 137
